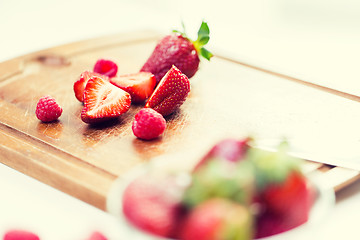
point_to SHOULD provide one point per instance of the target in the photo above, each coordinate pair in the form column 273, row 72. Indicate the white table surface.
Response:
column 266, row 28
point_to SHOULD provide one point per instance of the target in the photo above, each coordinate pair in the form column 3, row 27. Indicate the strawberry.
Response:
column 153, row 204
column 177, row 49
column 286, row 205
column 170, row 93
column 140, row 85
column 103, row 101
column 228, row 149
column 268, row 224
column 218, row 219
column 289, row 197
column 80, row 84
column 221, row 179
column 282, row 189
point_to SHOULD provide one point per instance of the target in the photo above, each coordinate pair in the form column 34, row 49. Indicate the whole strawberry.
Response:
column 177, row 49
column 282, row 190
column 286, row 205
column 217, row 219
column 153, row 204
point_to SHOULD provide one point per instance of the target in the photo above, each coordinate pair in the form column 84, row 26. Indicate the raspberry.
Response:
column 148, row 124
column 106, row 67
column 47, row 109
column 20, row 235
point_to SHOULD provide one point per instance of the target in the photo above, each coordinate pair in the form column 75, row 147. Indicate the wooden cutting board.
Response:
column 227, row 99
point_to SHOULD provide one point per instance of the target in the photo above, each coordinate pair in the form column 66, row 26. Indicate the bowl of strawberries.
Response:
column 234, row 191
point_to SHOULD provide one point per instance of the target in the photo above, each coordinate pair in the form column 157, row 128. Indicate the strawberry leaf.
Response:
column 203, row 40
column 205, row 53
column 204, row 30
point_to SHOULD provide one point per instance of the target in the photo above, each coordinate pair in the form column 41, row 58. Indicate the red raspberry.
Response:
column 148, row 124
column 106, row 67
column 20, row 235
column 47, row 109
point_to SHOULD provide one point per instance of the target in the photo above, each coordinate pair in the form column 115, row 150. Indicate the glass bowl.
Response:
column 180, row 163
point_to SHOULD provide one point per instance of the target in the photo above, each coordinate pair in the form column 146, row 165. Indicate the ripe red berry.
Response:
column 47, row 109
column 103, row 101
column 153, row 204
column 81, row 82
column 170, row 93
column 148, row 124
column 20, row 235
column 106, row 67
column 140, row 85
column 177, row 49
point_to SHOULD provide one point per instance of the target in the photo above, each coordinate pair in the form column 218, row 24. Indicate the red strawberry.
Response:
column 293, row 196
column 178, row 50
column 80, row 84
column 282, row 189
column 268, row 224
column 170, row 93
column 286, row 206
column 218, row 219
column 140, row 85
column 152, row 203
column 103, row 101
column 228, row 149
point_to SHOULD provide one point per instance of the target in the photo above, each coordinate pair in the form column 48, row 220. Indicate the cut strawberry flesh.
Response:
column 103, row 101
column 139, row 85
column 80, row 84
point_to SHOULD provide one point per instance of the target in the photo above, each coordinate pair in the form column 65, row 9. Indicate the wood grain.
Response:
column 227, row 99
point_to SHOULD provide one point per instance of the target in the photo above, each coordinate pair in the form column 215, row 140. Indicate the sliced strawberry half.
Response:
column 103, row 101
column 140, row 85
column 170, row 93
column 80, row 84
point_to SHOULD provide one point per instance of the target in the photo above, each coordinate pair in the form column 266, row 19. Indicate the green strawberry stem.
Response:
column 201, row 41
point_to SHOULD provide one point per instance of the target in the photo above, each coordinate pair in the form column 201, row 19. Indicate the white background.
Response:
column 313, row 40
